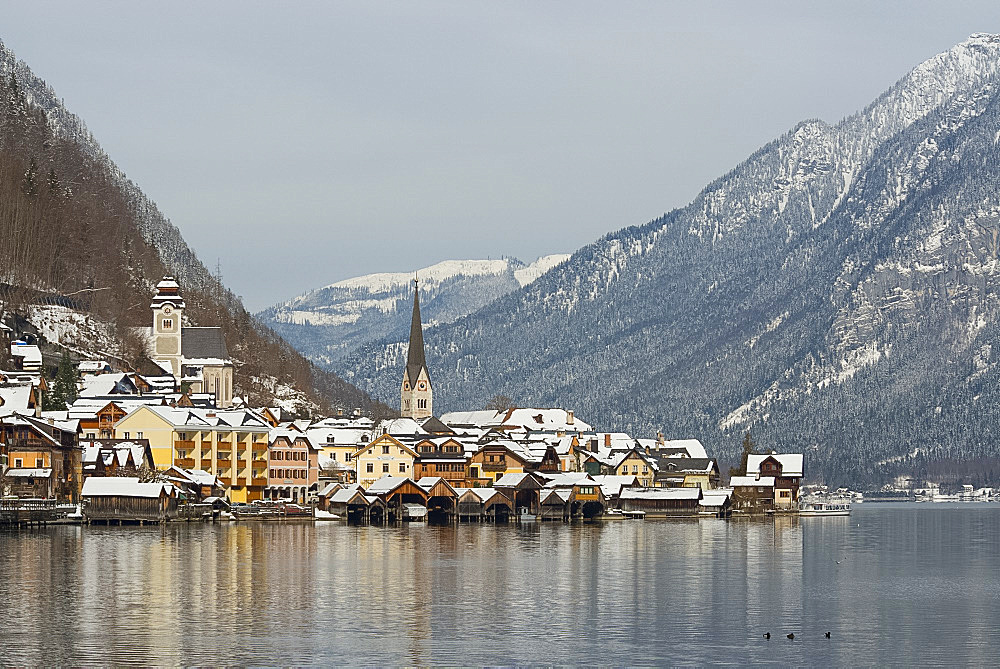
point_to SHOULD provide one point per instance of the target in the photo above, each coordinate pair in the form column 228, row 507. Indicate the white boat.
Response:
column 832, row 507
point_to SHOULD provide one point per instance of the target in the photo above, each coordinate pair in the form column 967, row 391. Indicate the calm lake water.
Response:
column 893, row 584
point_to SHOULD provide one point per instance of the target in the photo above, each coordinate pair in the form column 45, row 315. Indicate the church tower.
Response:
column 167, row 306
column 416, row 396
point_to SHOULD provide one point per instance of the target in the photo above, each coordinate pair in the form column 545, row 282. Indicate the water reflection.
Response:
column 892, row 586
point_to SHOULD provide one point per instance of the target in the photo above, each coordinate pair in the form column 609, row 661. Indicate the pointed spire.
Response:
column 415, row 360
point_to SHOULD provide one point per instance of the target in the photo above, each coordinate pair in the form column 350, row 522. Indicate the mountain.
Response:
column 836, row 293
column 73, row 224
column 332, row 322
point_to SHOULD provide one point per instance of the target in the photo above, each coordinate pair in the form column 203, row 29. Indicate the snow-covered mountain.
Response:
column 331, row 322
column 837, row 293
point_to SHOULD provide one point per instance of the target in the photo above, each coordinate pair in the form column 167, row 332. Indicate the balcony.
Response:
column 258, row 482
column 206, row 463
column 184, row 445
column 223, row 463
column 184, row 462
column 225, row 480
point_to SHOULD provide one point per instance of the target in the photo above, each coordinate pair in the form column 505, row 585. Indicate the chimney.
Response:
column 607, row 440
column 569, row 417
column 659, row 438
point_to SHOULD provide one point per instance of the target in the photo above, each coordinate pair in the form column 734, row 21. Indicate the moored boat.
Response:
column 830, row 507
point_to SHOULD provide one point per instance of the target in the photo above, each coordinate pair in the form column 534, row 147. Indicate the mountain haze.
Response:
column 836, row 293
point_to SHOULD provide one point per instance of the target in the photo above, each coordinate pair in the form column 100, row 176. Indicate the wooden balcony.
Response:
column 226, row 481
column 206, row 463
column 224, row 463
column 184, row 462
column 184, row 445
column 258, row 481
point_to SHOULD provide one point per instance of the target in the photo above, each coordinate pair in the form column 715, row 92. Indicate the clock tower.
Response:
column 167, row 306
column 416, row 395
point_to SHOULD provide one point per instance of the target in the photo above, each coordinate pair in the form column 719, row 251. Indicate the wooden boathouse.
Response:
column 125, row 500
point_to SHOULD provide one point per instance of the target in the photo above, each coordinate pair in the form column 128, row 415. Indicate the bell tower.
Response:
column 416, row 396
column 168, row 307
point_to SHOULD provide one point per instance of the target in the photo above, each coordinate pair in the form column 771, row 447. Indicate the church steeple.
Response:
column 416, row 396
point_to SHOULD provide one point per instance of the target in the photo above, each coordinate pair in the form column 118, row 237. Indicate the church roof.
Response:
column 203, row 343
column 415, row 360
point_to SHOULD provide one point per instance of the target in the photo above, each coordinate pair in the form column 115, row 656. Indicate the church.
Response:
column 194, row 356
column 416, row 394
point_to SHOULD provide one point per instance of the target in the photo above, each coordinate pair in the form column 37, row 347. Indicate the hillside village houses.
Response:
column 205, row 442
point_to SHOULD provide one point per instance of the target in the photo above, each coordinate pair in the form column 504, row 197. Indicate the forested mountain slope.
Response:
column 71, row 223
column 836, row 293
column 334, row 321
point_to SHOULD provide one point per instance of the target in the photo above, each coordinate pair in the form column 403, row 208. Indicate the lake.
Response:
column 893, row 584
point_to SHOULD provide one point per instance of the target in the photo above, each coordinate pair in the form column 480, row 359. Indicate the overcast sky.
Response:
column 302, row 143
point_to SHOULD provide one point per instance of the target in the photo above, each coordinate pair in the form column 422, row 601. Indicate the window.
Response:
column 273, row 474
column 645, row 469
column 421, row 404
column 277, row 455
column 635, row 469
column 138, row 435
column 17, row 463
column 333, row 456
column 168, row 323
column 371, row 467
column 39, row 462
column 385, row 467
column 385, row 450
column 402, row 467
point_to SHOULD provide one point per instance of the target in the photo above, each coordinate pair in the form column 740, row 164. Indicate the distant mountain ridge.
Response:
column 328, row 323
column 836, row 293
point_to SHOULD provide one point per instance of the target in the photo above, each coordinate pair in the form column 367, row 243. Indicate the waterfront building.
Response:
column 786, row 469
column 442, row 457
column 229, row 444
column 493, row 460
column 654, row 502
column 385, row 456
column 43, row 457
column 292, row 465
column 686, row 472
column 114, row 457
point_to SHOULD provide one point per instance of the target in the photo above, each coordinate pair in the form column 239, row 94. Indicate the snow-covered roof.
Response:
column 692, row 446
column 716, row 497
column 763, row 481
column 661, row 493
column 386, row 484
column 400, row 426
column 566, row 479
column 611, row 485
column 35, row 473
column 122, row 486
column 29, row 353
column 791, row 463
column 530, row 419
column 15, row 397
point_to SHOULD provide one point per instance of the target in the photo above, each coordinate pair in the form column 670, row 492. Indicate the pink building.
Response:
column 292, row 466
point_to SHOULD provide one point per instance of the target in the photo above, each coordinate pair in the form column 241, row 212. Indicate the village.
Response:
column 137, row 448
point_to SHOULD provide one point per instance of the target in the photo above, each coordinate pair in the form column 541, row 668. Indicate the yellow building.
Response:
column 231, row 444
column 495, row 459
column 635, row 463
column 384, row 456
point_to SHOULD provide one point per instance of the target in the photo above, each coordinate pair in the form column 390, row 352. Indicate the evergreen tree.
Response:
column 64, row 389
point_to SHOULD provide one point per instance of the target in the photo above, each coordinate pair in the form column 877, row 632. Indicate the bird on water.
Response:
column 767, row 635
column 791, row 635
column 827, row 635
